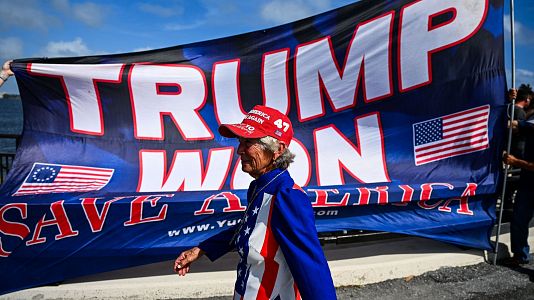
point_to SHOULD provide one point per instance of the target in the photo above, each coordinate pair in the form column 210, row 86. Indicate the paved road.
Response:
column 482, row 281
column 477, row 282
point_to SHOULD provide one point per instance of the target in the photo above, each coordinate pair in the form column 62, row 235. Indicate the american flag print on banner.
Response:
column 451, row 135
column 52, row 178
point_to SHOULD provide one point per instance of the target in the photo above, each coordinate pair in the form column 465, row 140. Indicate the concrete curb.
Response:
column 351, row 264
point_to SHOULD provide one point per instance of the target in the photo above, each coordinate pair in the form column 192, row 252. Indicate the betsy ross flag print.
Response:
column 451, row 135
column 53, row 178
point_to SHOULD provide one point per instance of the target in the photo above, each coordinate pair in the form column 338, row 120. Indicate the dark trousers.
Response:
column 522, row 214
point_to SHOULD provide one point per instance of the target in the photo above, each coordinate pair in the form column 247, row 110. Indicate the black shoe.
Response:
column 513, row 262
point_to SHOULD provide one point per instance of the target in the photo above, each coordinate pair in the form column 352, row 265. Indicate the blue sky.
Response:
column 33, row 28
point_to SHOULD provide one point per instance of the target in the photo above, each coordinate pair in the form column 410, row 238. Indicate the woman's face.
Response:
column 254, row 159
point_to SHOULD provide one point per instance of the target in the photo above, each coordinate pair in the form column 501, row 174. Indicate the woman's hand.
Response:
column 184, row 260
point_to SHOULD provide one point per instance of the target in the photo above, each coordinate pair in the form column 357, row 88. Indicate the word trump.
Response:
column 425, row 28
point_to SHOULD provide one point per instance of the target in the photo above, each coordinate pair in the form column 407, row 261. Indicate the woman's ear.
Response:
column 281, row 149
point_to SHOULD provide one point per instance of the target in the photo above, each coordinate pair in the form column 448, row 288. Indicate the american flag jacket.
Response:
column 280, row 254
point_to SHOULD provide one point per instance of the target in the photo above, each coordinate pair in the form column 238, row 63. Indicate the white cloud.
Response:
column 178, row 27
column 319, row 4
column 507, row 25
column 524, row 76
column 525, row 73
column 521, row 76
column 161, row 11
column 62, row 5
column 284, row 11
column 10, row 48
column 90, row 13
column 216, row 8
column 523, row 33
column 25, row 14
column 28, row 13
column 73, row 48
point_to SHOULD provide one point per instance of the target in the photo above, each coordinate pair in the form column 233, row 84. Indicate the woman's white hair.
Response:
column 271, row 144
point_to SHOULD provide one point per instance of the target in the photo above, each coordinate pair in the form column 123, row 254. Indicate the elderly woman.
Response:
column 281, row 257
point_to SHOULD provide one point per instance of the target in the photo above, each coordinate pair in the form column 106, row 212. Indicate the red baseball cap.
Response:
column 261, row 121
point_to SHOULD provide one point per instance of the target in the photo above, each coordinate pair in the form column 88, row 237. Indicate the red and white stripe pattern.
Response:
column 451, row 135
column 54, row 178
column 269, row 275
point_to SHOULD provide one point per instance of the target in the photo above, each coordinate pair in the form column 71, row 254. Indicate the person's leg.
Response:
column 522, row 214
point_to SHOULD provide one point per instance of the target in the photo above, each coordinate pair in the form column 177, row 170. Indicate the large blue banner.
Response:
column 398, row 114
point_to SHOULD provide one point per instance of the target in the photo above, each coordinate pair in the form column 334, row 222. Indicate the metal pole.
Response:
column 512, row 39
column 503, row 193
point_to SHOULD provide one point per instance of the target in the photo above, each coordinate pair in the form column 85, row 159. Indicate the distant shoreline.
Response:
column 5, row 96
column 11, row 122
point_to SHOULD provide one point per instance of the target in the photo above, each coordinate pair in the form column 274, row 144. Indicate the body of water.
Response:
column 10, row 123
